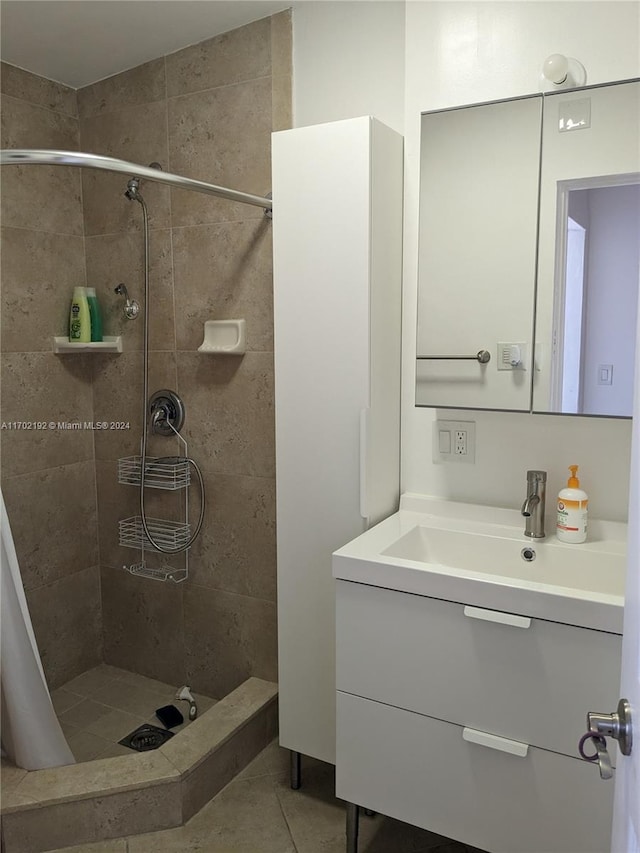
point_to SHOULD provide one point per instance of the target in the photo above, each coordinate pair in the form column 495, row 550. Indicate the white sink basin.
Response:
column 479, row 555
column 530, row 560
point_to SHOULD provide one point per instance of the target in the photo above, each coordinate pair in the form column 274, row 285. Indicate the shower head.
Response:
column 133, row 186
column 133, row 190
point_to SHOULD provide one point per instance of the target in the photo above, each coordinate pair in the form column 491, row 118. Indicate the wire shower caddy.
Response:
column 167, row 473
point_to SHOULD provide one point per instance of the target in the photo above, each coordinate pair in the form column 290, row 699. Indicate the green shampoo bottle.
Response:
column 79, row 317
column 94, row 314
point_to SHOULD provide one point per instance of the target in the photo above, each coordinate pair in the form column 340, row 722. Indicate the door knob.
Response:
column 600, row 727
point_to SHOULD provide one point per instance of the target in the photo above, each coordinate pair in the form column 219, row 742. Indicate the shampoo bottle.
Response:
column 79, row 318
column 94, row 314
column 571, row 525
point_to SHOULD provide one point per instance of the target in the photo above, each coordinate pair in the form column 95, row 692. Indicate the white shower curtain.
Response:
column 31, row 734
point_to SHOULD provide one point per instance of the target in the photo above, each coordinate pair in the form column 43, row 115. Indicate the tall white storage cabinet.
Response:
column 337, row 235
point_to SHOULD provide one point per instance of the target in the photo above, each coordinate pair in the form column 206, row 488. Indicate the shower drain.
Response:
column 146, row 737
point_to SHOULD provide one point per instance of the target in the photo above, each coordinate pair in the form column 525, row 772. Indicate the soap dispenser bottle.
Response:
column 571, row 525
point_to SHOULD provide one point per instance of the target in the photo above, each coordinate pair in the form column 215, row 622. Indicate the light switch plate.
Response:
column 454, row 441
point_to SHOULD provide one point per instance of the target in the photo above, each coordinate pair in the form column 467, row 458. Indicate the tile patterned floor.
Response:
column 259, row 813
column 101, row 706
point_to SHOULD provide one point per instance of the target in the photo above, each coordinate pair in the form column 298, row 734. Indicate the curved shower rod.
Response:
column 18, row 156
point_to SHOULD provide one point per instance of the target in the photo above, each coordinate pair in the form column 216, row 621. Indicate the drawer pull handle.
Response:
column 513, row 747
column 497, row 616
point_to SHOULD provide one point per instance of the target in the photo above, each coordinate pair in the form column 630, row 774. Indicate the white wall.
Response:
column 457, row 53
column 612, row 296
column 348, row 60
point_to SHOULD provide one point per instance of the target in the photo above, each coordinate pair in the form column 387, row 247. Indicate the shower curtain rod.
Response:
column 133, row 170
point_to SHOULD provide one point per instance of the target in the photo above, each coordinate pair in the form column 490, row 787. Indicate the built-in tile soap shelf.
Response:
column 110, row 343
column 224, row 337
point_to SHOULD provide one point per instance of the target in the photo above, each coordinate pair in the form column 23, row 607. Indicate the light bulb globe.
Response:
column 556, row 68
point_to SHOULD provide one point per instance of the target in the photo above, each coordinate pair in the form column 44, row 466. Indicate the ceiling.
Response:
column 78, row 42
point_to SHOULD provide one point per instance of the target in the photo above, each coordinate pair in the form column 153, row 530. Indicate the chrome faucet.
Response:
column 533, row 506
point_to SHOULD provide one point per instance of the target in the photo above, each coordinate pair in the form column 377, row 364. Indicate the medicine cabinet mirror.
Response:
column 530, row 208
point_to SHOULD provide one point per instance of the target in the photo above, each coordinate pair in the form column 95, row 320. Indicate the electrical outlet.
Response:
column 460, row 442
column 454, row 441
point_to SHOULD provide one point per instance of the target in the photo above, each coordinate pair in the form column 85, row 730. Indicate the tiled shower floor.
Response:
column 101, row 706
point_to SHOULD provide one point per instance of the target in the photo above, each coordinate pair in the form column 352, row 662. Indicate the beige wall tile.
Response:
column 241, row 54
column 137, row 134
column 115, row 502
column 230, row 426
column 53, row 519
column 10, row 775
column 39, row 272
column 118, row 845
column 115, row 258
column 43, row 198
column 66, row 616
column 282, row 105
column 223, row 272
column 46, row 198
column 92, row 820
column 281, row 44
column 204, row 782
column 30, row 87
column 144, row 625
column 26, row 125
column 117, row 397
column 45, row 387
column 236, row 550
column 141, row 85
column 228, row 639
column 56, row 785
column 222, row 136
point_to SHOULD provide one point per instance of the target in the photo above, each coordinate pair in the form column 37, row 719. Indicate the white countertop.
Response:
column 473, row 555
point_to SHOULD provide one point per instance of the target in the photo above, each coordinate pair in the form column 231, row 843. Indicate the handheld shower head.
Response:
column 133, row 190
column 133, row 186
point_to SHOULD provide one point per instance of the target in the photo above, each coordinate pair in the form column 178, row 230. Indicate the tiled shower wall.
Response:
column 206, row 112
column 48, row 477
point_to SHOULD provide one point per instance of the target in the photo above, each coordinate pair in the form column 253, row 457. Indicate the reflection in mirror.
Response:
column 597, row 298
column 479, row 180
column 588, row 251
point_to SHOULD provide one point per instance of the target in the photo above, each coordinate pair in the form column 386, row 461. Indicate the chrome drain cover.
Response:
column 146, row 737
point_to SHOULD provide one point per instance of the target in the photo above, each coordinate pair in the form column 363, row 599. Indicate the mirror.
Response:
column 549, row 182
column 589, row 251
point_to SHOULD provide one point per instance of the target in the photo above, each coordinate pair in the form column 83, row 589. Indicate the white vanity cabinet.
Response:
column 465, row 721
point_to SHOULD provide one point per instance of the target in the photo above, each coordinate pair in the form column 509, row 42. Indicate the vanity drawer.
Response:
column 422, row 771
column 533, row 684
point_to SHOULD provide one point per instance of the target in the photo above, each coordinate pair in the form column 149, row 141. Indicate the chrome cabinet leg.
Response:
column 295, row 769
column 353, row 819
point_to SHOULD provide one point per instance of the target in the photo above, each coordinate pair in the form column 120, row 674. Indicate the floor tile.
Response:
column 114, row 725
column 84, row 713
column 317, row 820
column 88, row 682
column 85, row 746
column 245, row 817
column 114, row 750
column 63, row 700
column 272, row 761
column 108, row 703
column 10, row 774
